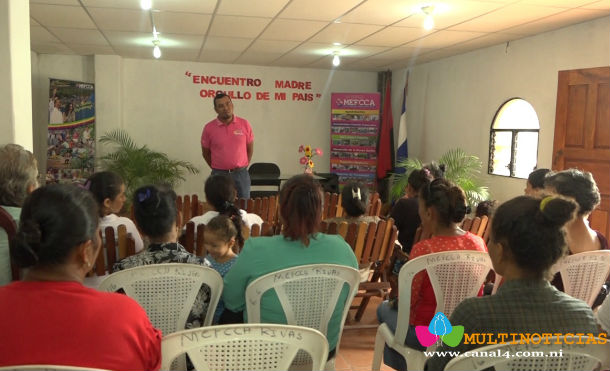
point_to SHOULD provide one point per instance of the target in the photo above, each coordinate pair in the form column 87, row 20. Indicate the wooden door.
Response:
column 582, row 132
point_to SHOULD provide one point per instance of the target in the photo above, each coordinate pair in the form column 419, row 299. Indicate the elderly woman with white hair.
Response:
column 18, row 178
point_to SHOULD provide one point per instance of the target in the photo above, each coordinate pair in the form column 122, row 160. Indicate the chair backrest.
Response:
column 374, row 206
column 189, row 206
column 331, row 205
column 454, row 275
column 10, row 227
column 114, row 248
column 583, row 274
column 167, row 291
column 561, row 353
column 245, row 347
column 308, row 294
column 50, row 368
column 265, row 207
column 264, row 168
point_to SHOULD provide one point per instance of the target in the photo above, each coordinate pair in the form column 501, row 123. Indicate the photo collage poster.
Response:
column 71, row 134
column 354, row 128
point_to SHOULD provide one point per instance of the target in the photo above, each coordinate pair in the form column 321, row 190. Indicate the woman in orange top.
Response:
column 442, row 207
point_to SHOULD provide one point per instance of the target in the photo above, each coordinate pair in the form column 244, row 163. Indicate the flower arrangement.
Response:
column 306, row 160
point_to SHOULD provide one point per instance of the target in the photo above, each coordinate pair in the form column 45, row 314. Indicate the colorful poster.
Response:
column 354, row 128
column 71, row 134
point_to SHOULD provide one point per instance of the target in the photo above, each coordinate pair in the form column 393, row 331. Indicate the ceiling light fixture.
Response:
column 428, row 10
column 156, row 49
column 337, row 44
column 146, row 4
column 336, row 59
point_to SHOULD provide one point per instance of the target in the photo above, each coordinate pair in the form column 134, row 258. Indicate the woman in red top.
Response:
column 50, row 317
column 442, row 207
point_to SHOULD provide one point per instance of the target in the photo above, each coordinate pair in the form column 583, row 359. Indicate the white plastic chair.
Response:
column 454, row 275
column 50, row 368
column 583, row 274
column 245, row 347
column 573, row 357
column 308, row 294
column 167, row 293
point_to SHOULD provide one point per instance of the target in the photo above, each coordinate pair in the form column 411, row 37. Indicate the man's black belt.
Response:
column 230, row 170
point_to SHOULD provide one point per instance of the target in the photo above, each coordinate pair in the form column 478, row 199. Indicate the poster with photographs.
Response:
column 354, row 127
column 71, row 134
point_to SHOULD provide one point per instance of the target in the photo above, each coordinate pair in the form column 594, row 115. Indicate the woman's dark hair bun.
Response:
column 442, row 167
column 27, row 243
column 557, row 211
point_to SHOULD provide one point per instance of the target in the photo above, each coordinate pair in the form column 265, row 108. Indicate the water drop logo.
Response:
column 439, row 327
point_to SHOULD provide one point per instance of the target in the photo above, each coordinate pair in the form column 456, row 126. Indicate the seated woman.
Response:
column 535, row 182
column 527, row 238
column 220, row 193
column 354, row 200
column 155, row 212
column 18, row 178
column 299, row 244
column 581, row 187
column 442, row 207
column 50, row 317
column 404, row 212
column 108, row 189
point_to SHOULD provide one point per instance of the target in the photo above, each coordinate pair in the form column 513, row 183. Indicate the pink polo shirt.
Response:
column 227, row 142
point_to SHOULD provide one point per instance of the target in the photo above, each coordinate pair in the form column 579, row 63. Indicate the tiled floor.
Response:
column 356, row 349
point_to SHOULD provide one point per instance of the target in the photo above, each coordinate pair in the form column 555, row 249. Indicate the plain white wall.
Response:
column 45, row 67
column 15, row 83
column 452, row 101
column 161, row 107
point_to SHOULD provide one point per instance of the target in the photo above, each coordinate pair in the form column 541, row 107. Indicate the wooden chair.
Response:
column 113, row 249
column 192, row 239
column 332, row 203
column 374, row 206
column 372, row 244
column 10, row 227
column 190, row 207
column 265, row 207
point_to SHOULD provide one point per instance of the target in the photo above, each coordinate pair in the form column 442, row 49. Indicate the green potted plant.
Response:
column 460, row 168
column 140, row 165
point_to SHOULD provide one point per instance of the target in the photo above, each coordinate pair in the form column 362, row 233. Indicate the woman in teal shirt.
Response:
column 299, row 244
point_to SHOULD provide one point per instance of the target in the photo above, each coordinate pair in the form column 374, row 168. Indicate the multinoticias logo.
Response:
column 439, row 328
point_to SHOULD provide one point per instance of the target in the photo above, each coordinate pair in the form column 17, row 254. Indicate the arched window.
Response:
column 513, row 139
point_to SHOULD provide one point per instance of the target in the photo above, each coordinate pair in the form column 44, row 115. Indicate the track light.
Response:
column 428, row 10
column 156, row 49
column 336, row 59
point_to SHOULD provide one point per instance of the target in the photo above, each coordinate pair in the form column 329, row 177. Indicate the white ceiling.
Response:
column 373, row 34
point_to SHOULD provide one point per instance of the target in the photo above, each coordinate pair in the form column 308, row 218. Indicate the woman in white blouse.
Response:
column 108, row 189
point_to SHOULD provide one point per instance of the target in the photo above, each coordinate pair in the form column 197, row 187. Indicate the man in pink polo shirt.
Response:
column 227, row 144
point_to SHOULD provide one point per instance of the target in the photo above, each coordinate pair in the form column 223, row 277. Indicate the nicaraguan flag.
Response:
column 403, row 152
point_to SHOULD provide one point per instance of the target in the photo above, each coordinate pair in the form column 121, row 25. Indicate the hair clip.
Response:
column 544, row 202
column 356, row 193
column 143, row 196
